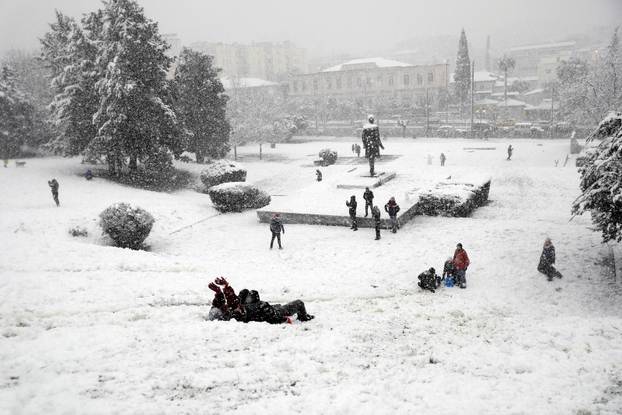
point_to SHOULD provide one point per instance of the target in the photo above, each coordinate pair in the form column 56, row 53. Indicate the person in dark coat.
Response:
column 276, row 227
column 448, row 269
column 547, row 259
column 375, row 214
column 392, row 208
column 318, row 175
column 443, row 158
column 352, row 211
column 54, row 187
column 368, row 196
column 371, row 142
column 357, row 149
column 88, row 175
column 510, row 150
column 461, row 263
column 428, row 280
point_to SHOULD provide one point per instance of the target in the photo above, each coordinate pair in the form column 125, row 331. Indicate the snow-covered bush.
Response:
column 222, row 171
column 237, row 196
column 601, row 179
column 328, row 156
column 127, row 226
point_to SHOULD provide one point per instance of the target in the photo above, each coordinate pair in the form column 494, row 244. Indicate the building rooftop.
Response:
column 366, row 63
column 512, row 103
column 543, row 46
column 228, row 83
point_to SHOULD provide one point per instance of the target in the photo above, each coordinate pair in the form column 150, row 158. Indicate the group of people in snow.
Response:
column 391, row 207
column 454, row 272
column 247, row 306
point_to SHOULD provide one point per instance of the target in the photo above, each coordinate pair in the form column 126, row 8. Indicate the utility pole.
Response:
column 552, row 109
column 472, row 93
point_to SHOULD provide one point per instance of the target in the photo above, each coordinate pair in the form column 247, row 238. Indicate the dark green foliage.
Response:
column 237, row 196
column 16, row 115
column 222, row 171
column 201, row 104
column 126, row 225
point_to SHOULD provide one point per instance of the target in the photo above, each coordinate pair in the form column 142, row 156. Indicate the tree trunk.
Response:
column 235, row 152
column 110, row 159
column 133, row 164
column 200, row 157
column 259, row 151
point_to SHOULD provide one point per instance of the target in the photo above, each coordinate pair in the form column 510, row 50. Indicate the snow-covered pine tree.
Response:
column 71, row 53
column 201, row 104
column 16, row 112
column 462, row 74
column 135, row 118
column 601, row 179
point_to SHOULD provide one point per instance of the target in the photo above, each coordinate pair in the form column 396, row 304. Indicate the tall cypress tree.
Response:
column 462, row 74
column 201, row 105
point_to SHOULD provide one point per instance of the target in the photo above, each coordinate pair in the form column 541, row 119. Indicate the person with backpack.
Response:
column 392, row 208
column 276, row 227
column 461, row 263
column 352, row 212
column 368, row 196
column 54, row 188
column 547, row 259
column 375, row 214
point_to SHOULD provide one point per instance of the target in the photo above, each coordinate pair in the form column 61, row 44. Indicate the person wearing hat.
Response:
column 368, row 196
column 352, row 211
column 371, row 142
column 276, row 227
column 547, row 259
column 428, row 280
column 461, row 263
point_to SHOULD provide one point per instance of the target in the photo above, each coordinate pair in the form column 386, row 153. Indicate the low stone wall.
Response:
column 315, row 219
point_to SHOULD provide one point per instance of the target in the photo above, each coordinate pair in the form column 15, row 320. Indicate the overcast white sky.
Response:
column 331, row 25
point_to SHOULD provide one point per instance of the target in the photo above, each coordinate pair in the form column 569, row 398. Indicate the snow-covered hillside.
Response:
column 89, row 328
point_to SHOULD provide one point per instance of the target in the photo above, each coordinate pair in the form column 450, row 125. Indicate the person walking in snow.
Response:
column 547, row 259
column 368, row 196
column 352, row 211
column 443, row 158
column 375, row 214
column 428, row 280
column 461, row 263
column 392, row 208
column 371, row 142
column 357, row 149
column 54, row 188
column 276, row 227
column 510, row 150
column 318, row 175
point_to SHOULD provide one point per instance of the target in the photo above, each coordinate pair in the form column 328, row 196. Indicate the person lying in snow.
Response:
column 428, row 280
column 249, row 307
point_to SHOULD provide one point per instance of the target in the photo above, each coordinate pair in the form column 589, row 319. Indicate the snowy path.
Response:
column 88, row 328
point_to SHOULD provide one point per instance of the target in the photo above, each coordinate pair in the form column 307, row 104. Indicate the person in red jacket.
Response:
column 461, row 263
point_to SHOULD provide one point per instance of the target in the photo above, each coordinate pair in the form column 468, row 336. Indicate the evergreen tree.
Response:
column 601, row 180
column 71, row 53
column 16, row 113
column 135, row 118
column 201, row 105
column 462, row 74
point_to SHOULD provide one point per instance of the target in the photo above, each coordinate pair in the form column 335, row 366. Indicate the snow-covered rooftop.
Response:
column 229, row 83
column 543, row 46
column 377, row 62
column 534, row 92
column 512, row 103
column 480, row 76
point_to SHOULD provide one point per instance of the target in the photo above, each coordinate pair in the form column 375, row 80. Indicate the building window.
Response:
column 430, row 76
column 359, row 82
column 315, row 84
column 390, row 80
column 295, row 86
column 328, row 84
column 349, row 82
column 368, row 81
column 304, row 86
column 406, row 79
column 419, row 79
column 379, row 81
column 338, row 83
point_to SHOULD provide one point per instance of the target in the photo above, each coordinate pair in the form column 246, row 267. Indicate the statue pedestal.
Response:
column 365, row 180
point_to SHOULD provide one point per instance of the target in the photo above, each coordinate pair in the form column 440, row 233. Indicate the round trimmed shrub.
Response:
column 237, row 196
column 328, row 156
column 222, row 171
column 127, row 226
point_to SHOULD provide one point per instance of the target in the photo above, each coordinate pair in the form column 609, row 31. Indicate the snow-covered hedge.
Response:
column 237, row 196
column 222, row 171
column 127, row 226
column 328, row 156
column 453, row 199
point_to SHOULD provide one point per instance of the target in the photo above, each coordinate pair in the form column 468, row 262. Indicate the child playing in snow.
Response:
column 428, row 280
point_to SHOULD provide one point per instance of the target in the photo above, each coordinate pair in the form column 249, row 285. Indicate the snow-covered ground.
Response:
column 88, row 328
